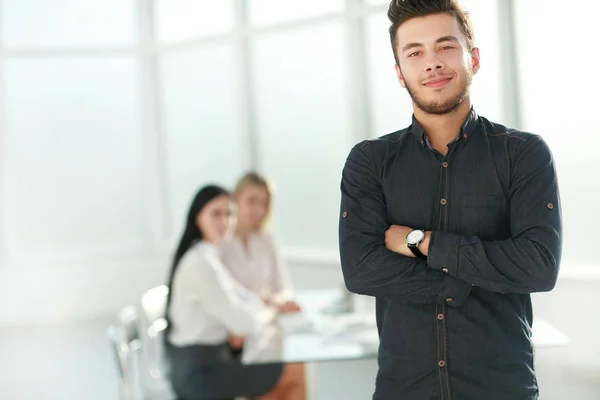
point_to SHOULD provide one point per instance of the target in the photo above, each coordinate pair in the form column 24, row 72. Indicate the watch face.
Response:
column 415, row 237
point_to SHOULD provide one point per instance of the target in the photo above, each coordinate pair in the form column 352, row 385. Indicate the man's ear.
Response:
column 475, row 59
column 400, row 77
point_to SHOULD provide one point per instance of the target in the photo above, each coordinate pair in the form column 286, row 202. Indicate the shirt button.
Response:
column 442, row 363
column 465, row 136
column 445, row 270
column 345, row 214
column 440, row 316
column 550, row 206
column 445, row 164
column 443, row 202
column 449, row 300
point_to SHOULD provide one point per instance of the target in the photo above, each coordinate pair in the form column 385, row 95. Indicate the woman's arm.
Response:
column 241, row 311
column 280, row 282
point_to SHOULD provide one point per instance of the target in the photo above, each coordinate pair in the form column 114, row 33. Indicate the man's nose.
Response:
column 434, row 65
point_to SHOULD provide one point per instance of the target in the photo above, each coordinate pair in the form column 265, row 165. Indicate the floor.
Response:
column 74, row 362
column 58, row 362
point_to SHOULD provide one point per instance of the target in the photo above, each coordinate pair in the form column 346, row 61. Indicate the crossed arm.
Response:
column 376, row 261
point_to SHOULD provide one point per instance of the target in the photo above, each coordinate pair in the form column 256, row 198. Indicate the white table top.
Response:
column 314, row 336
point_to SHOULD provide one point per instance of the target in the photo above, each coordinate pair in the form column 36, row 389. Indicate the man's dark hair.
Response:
column 401, row 11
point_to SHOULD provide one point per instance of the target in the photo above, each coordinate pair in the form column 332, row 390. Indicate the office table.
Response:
column 321, row 336
column 340, row 350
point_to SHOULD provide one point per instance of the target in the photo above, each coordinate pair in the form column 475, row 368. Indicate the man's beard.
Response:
column 437, row 108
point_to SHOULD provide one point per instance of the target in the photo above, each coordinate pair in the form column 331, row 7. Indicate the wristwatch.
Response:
column 413, row 239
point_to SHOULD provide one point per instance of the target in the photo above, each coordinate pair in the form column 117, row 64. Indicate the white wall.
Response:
column 569, row 308
column 58, row 293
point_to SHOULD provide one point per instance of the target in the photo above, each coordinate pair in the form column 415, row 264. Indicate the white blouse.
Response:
column 258, row 267
column 207, row 303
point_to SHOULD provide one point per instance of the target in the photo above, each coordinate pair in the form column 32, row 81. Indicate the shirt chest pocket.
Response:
column 486, row 216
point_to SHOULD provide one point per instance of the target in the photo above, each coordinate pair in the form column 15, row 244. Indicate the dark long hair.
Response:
column 191, row 234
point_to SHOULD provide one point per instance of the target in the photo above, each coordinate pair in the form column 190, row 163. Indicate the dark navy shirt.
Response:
column 456, row 325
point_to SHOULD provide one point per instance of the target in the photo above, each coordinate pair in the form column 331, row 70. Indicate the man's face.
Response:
column 436, row 66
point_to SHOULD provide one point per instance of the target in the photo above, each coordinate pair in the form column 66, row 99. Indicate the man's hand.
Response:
column 395, row 240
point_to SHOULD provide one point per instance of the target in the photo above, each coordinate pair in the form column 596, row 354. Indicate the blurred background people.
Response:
column 205, row 304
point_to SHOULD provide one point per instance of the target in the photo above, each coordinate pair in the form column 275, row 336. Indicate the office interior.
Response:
column 114, row 112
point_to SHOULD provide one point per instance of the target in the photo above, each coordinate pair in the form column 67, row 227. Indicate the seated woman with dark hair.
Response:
column 205, row 305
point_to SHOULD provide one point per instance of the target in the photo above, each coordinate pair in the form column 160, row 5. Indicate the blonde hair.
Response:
column 253, row 178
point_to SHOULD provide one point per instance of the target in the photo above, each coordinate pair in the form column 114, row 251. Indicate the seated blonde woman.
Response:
column 251, row 255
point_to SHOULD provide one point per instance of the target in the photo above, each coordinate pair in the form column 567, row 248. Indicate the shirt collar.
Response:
column 466, row 130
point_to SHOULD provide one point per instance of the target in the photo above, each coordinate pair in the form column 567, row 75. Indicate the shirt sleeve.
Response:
column 369, row 268
column 528, row 261
column 241, row 311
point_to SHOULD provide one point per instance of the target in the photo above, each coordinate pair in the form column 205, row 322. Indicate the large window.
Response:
column 179, row 20
column 73, row 156
column 303, row 132
column 107, row 106
column 60, row 24
column 204, row 137
column 264, row 12
column 72, row 173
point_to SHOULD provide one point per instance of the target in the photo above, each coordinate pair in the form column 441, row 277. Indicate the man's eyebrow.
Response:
column 447, row 38
column 409, row 46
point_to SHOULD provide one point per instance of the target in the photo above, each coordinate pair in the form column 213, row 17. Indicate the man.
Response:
column 450, row 223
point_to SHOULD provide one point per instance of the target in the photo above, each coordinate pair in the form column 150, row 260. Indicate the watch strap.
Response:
column 415, row 250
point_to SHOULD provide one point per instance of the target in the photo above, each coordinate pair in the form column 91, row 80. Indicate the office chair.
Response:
column 124, row 341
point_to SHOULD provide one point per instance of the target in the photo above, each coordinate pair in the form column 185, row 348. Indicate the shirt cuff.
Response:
column 443, row 252
column 454, row 292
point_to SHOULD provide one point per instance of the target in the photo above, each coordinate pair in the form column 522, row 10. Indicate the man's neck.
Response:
column 442, row 129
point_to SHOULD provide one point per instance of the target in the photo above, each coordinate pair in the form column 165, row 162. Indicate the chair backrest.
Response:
column 128, row 320
column 152, row 324
column 154, row 303
column 120, row 350
column 124, row 341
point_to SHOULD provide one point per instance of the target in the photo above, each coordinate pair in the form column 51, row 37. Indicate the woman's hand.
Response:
column 236, row 342
column 283, row 308
column 289, row 307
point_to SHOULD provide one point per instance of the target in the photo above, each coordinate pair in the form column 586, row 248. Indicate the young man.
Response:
column 450, row 223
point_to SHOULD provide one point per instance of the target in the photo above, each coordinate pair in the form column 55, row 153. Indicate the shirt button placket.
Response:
column 441, row 315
